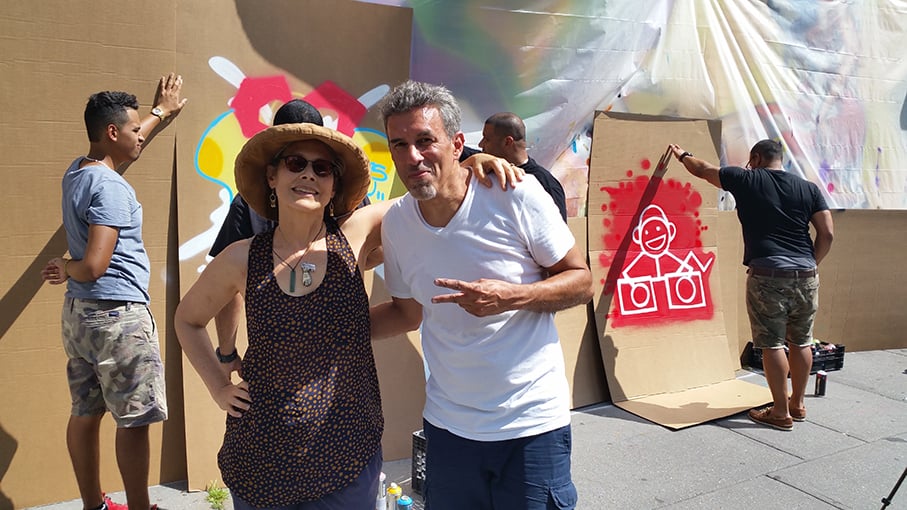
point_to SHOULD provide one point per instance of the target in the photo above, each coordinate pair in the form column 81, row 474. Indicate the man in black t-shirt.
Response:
column 504, row 136
column 775, row 209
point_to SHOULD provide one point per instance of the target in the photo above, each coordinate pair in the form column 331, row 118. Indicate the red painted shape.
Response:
column 255, row 92
column 680, row 204
column 252, row 95
column 329, row 97
column 645, row 164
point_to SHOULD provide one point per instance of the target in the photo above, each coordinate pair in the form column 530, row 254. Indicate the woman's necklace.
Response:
column 306, row 267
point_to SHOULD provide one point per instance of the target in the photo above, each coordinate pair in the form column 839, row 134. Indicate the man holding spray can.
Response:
column 775, row 210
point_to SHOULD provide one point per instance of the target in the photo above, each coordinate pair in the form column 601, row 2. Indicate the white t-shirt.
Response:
column 491, row 378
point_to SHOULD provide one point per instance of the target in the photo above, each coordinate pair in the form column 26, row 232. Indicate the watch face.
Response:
column 157, row 111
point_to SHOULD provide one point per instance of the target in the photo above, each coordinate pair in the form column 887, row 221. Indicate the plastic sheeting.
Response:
column 827, row 78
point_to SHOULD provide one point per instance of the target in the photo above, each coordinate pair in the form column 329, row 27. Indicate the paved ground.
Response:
column 847, row 455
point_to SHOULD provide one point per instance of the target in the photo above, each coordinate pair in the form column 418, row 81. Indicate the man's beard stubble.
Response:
column 423, row 191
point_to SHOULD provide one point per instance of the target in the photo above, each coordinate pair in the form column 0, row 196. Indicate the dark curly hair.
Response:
column 105, row 108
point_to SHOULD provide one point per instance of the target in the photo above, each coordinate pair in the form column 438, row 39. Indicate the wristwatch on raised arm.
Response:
column 157, row 112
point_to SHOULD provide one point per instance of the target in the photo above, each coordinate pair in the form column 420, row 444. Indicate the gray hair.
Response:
column 413, row 94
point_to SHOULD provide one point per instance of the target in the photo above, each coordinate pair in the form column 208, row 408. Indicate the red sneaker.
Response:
column 111, row 505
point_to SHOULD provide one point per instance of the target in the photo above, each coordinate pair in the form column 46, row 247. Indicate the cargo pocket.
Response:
column 564, row 496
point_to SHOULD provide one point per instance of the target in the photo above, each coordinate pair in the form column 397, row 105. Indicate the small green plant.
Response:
column 216, row 495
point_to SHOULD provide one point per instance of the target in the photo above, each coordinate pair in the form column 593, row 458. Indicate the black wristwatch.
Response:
column 229, row 358
column 685, row 154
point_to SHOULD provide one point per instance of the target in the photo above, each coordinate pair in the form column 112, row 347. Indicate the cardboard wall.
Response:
column 54, row 55
column 52, row 64
column 862, row 290
column 579, row 341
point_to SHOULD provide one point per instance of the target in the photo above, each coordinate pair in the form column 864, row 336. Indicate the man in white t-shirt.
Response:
column 483, row 272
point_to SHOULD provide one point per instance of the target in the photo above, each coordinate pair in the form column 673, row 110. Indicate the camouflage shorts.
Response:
column 781, row 309
column 114, row 361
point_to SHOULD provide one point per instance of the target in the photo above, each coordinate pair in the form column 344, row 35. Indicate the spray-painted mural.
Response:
column 252, row 109
column 657, row 268
column 828, row 79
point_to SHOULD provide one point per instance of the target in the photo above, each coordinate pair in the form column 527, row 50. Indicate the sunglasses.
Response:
column 297, row 164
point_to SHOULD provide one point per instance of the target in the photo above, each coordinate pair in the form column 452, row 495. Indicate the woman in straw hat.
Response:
column 304, row 425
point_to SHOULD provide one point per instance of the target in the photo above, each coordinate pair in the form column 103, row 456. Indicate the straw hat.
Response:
column 250, row 170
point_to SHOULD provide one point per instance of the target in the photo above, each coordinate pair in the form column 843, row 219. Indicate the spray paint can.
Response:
column 821, row 379
column 405, row 503
column 381, row 502
column 394, row 492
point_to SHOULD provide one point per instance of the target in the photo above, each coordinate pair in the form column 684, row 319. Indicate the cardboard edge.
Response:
column 694, row 406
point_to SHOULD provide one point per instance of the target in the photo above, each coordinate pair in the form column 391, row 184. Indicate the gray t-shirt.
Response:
column 97, row 195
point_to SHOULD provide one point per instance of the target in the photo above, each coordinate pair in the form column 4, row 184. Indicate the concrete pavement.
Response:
column 847, row 455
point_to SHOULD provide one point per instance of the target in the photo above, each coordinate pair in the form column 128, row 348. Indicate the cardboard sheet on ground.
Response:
column 652, row 248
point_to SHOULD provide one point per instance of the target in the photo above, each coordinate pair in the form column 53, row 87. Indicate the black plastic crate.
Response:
column 828, row 360
column 418, row 462
column 824, row 358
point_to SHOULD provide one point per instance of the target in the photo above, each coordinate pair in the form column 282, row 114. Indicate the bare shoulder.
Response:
column 236, row 252
column 362, row 228
column 366, row 219
column 230, row 264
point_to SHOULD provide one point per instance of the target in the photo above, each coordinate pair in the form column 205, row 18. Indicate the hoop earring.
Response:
column 272, row 199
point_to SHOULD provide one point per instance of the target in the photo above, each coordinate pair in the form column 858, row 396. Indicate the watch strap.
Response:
column 157, row 112
column 229, row 358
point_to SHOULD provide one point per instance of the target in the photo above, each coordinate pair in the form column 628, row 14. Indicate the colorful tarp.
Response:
column 826, row 78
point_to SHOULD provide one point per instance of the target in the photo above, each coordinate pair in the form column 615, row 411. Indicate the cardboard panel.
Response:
column 653, row 233
column 401, row 375
column 54, row 57
column 733, row 283
column 861, row 289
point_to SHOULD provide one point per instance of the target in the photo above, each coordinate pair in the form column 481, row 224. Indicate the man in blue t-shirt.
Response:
column 775, row 209
column 110, row 338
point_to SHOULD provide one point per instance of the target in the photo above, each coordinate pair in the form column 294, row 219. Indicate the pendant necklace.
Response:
column 306, row 267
